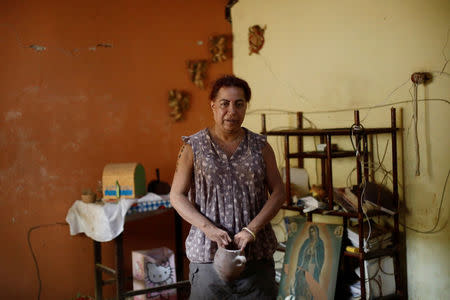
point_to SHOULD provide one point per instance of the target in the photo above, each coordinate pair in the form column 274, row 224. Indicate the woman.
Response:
column 226, row 170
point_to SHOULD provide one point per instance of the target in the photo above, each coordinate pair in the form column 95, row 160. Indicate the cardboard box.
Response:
column 123, row 180
column 152, row 268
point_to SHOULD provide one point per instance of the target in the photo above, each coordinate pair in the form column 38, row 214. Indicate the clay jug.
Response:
column 229, row 263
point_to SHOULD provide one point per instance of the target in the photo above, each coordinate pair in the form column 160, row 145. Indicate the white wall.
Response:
column 330, row 55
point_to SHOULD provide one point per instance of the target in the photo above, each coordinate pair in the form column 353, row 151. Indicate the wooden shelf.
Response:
column 321, row 154
column 341, row 213
column 390, row 297
column 329, row 131
column 372, row 254
column 360, row 135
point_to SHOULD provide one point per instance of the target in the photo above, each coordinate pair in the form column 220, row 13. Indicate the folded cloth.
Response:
column 153, row 197
column 100, row 222
column 142, row 207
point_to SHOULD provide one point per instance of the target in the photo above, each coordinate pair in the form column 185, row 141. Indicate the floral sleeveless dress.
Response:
column 230, row 192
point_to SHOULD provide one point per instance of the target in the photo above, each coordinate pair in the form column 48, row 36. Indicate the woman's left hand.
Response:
column 242, row 238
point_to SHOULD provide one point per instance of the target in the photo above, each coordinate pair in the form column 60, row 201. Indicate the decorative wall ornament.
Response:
column 197, row 70
column 256, row 38
column 219, row 47
column 179, row 102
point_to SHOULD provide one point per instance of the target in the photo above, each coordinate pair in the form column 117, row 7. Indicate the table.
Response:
column 118, row 272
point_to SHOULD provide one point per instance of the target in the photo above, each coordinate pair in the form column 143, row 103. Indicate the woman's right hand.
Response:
column 217, row 235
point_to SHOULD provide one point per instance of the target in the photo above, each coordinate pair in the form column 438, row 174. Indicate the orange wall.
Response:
column 67, row 111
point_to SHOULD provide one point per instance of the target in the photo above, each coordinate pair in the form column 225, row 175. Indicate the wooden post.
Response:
column 358, row 148
column 396, row 239
column 366, row 157
column 263, row 123
column 300, row 139
column 329, row 174
column 287, row 168
column 323, row 165
column 360, row 211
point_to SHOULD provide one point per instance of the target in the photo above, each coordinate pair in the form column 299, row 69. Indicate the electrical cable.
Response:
column 432, row 230
column 443, row 52
column 387, row 97
column 256, row 111
column 34, row 256
column 366, row 240
column 381, row 268
column 416, row 134
column 292, row 90
column 387, row 176
column 381, row 165
column 363, row 184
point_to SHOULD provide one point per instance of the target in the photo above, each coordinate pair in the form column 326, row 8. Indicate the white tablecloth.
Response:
column 100, row 222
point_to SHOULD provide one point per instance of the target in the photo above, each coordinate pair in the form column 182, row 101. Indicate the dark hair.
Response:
column 230, row 81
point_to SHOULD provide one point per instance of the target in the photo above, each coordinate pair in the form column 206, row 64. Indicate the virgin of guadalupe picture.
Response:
column 311, row 260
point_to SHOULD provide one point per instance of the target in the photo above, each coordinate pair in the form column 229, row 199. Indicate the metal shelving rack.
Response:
column 326, row 157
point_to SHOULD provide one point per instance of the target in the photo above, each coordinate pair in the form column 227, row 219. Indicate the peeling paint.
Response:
column 13, row 115
column 38, row 48
column 43, row 172
column 33, row 89
column 106, row 97
column 82, row 135
column 72, row 146
column 114, row 125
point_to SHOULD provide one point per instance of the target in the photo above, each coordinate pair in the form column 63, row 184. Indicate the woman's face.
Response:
column 229, row 109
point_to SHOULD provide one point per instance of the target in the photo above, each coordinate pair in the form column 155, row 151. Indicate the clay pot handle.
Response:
column 240, row 260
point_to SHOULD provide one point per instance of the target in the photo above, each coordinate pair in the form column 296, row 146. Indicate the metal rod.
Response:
column 179, row 284
column 108, row 281
column 105, row 269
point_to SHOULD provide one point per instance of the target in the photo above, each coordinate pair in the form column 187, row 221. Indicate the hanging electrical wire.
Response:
column 416, row 135
column 34, row 255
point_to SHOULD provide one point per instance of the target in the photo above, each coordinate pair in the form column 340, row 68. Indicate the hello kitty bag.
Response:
column 152, row 268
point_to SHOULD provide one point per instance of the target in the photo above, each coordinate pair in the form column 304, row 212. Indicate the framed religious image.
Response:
column 311, row 260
